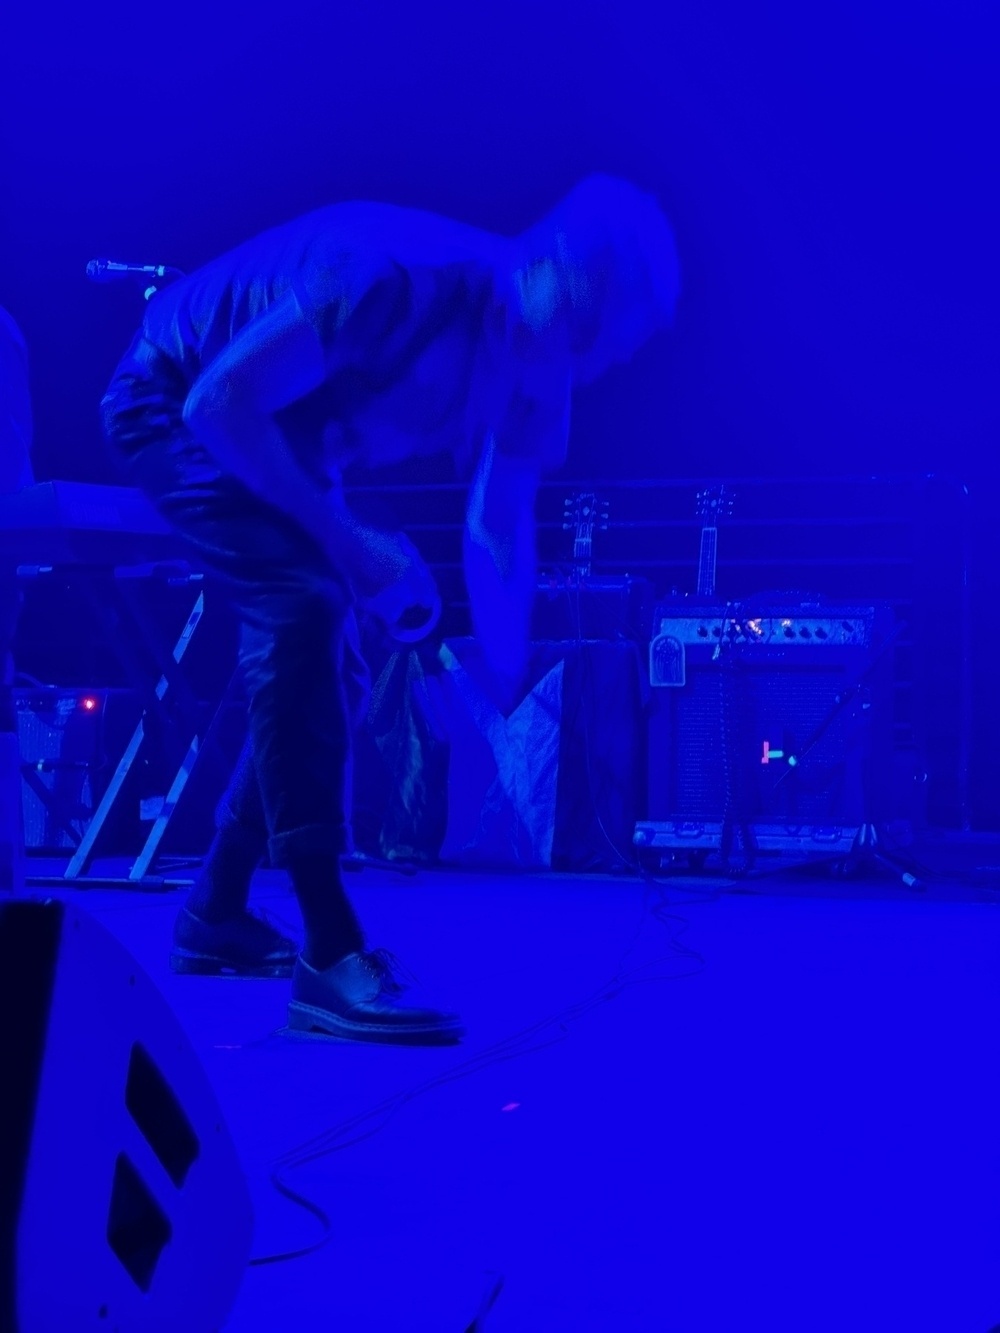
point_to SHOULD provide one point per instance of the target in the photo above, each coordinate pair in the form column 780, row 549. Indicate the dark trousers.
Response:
column 297, row 642
column 240, row 813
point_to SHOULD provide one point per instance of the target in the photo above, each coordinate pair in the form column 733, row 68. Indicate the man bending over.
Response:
column 363, row 332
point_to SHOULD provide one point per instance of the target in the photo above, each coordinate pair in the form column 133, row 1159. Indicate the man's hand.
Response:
column 395, row 585
column 372, row 559
column 410, row 605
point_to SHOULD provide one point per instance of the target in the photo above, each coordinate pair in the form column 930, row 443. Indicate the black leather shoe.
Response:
column 361, row 999
column 246, row 946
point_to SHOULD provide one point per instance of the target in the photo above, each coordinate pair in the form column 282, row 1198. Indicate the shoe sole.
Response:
column 204, row 965
column 307, row 1019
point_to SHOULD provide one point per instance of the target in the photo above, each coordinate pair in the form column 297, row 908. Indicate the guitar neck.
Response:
column 707, row 560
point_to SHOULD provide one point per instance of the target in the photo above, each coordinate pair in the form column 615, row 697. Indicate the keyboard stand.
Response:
column 171, row 704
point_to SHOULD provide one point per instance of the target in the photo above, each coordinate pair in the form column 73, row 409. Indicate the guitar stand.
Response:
column 867, row 855
column 359, row 861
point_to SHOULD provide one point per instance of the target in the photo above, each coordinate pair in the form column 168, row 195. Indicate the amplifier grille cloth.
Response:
column 719, row 723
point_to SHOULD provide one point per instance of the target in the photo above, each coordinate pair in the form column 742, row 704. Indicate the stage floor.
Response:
column 703, row 1106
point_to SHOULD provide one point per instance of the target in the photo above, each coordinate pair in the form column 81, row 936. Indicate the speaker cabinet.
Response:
column 124, row 1206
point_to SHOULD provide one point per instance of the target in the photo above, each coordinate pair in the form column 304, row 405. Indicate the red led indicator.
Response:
column 89, row 703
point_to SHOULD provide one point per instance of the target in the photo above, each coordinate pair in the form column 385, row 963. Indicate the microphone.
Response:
column 110, row 270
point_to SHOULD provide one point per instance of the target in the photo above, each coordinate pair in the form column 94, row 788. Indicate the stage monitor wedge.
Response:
column 123, row 1205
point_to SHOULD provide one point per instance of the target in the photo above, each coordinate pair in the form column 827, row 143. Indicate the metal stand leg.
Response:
column 83, row 853
column 197, row 747
column 867, row 854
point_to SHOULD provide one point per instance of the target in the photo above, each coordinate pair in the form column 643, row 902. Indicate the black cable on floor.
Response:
column 526, row 1042
column 546, row 1032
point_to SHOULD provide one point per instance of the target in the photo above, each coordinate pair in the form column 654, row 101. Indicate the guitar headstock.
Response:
column 714, row 505
column 583, row 514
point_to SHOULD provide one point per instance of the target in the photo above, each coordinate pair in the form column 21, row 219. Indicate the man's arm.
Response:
column 500, row 559
column 501, row 565
column 274, row 361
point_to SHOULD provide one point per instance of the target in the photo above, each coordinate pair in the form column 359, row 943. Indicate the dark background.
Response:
column 832, row 176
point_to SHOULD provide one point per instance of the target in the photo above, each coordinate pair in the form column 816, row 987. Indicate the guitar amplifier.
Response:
column 773, row 716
